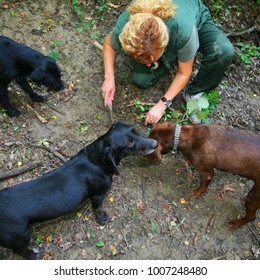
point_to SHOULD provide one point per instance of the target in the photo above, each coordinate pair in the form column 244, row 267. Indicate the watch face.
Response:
column 166, row 101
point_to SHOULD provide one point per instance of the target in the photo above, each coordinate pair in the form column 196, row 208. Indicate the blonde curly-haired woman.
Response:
column 158, row 34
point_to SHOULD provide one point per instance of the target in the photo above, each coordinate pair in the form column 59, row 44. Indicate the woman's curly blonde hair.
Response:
column 159, row 8
column 146, row 34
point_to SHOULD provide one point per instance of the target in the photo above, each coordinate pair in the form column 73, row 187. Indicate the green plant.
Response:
column 55, row 43
column 54, row 55
column 201, row 107
column 246, row 51
column 154, row 226
column 102, row 8
column 84, row 22
column 124, row 76
column 217, row 6
column 135, row 213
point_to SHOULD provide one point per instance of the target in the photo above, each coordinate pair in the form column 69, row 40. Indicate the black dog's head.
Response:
column 48, row 74
column 123, row 140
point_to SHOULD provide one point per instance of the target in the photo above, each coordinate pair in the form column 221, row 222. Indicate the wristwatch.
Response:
column 166, row 101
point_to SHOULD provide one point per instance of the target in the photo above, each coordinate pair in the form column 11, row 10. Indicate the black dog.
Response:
column 86, row 175
column 17, row 62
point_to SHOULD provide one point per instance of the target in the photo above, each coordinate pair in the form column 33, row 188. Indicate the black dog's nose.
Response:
column 61, row 86
column 154, row 144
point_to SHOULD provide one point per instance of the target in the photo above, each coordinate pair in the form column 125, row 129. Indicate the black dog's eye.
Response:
column 130, row 144
column 133, row 130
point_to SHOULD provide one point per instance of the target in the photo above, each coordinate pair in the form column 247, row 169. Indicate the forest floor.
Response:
column 148, row 217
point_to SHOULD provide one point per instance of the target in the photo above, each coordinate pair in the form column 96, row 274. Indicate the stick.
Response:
column 19, row 170
column 99, row 46
column 54, row 152
column 110, row 108
column 249, row 30
column 146, row 104
column 210, row 224
column 53, row 108
column 39, row 117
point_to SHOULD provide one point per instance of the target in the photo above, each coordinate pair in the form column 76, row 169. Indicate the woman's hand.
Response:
column 155, row 114
column 108, row 91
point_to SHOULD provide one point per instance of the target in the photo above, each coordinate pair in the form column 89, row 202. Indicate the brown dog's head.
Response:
column 163, row 133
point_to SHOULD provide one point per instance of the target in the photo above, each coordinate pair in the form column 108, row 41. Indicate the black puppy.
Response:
column 17, row 62
column 86, row 175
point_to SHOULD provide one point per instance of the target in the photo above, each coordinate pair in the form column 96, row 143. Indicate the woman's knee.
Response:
column 140, row 83
column 227, row 51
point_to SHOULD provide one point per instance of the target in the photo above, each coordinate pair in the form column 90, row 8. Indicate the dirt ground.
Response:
column 152, row 215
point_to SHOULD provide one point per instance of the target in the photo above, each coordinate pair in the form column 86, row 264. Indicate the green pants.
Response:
column 217, row 54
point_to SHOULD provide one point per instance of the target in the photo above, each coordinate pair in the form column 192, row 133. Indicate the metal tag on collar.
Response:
column 176, row 137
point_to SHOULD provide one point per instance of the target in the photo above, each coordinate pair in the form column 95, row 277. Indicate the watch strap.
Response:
column 166, row 101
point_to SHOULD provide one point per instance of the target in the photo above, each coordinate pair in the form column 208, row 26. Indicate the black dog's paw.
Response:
column 12, row 112
column 32, row 254
column 39, row 98
column 101, row 217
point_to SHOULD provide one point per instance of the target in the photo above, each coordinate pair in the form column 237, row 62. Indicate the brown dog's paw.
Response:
column 234, row 224
column 197, row 193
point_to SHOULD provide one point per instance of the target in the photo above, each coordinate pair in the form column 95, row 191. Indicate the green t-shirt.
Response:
column 183, row 31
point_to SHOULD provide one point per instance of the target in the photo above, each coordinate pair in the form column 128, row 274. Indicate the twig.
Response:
column 256, row 234
column 99, row 46
column 54, row 152
column 219, row 257
column 127, row 245
column 146, row 104
column 19, row 170
column 110, row 108
column 55, row 109
column 249, row 30
column 39, row 117
column 209, row 225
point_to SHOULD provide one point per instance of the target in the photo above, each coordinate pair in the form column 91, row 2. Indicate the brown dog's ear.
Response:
column 109, row 161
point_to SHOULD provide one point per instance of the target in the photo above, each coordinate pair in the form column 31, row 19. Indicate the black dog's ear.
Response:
column 109, row 161
column 36, row 75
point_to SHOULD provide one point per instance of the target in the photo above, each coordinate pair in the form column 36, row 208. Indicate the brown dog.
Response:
column 214, row 146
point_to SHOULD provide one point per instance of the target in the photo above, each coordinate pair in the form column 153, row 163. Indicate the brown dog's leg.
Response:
column 205, row 178
column 252, row 204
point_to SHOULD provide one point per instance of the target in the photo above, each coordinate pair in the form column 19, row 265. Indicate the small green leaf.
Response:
column 100, row 243
column 79, row 214
column 203, row 102
column 54, row 55
column 192, row 105
column 201, row 115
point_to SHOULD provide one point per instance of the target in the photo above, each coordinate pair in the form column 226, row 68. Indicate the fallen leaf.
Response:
column 140, row 206
column 79, row 214
column 220, row 196
column 49, row 238
column 112, row 249
column 183, row 200
column 229, row 187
